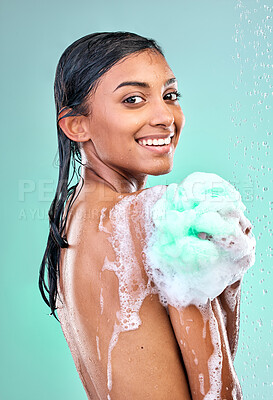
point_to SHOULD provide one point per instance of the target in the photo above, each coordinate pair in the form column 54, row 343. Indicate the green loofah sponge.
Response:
column 189, row 221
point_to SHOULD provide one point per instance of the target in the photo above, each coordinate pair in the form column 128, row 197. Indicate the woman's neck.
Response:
column 97, row 174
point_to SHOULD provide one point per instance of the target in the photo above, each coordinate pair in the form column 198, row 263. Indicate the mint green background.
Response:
column 227, row 99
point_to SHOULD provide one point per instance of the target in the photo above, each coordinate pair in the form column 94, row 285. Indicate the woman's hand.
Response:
column 208, row 338
column 229, row 299
column 201, row 241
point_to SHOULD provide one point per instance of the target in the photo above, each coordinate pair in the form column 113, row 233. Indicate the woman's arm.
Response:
column 229, row 301
column 203, row 341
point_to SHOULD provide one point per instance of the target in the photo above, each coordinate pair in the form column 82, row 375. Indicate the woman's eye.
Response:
column 133, row 100
column 173, row 96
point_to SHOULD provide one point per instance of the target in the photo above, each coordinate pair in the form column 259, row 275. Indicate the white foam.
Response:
column 192, row 271
column 101, row 302
column 102, row 216
column 201, row 381
column 216, row 359
column 195, row 358
column 187, row 266
column 133, row 288
column 230, row 295
column 112, row 344
column 98, row 347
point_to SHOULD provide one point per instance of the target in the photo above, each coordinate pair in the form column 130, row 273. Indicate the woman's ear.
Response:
column 74, row 127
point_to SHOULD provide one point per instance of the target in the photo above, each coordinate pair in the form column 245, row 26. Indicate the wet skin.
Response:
column 120, row 116
column 147, row 363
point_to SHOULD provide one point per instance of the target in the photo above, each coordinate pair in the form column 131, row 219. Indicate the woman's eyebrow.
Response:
column 143, row 84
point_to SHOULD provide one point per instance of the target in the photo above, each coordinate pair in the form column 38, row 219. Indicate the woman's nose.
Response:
column 161, row 114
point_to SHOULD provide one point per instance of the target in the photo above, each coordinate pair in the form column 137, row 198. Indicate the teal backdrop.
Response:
column 221, row 54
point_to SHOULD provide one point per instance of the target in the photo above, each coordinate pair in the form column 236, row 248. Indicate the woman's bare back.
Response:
column 144, row 363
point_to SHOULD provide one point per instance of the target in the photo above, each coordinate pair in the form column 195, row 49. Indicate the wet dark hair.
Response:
column 77, row 75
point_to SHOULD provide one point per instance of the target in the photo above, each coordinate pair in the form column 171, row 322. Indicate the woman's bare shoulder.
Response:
column 111, row 293
column 102, row 228
column 89, row 207
column 94, row 222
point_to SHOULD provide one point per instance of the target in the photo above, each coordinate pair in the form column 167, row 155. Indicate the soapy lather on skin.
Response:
column 198, row 242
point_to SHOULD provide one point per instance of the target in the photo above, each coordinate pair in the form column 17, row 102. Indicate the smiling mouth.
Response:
column 159, row 142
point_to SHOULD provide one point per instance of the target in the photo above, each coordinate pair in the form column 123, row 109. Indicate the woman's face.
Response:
column 135, row 119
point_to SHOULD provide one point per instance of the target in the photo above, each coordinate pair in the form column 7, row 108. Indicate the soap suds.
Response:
column 231, row 297
column 201, row 381
column 133, row 288
column 102, row 216
column 112, row 344
column 194, row 248
column 187, row 266
column 98, row 347
column 216, row 359
column 101, row 302
column 195, row 358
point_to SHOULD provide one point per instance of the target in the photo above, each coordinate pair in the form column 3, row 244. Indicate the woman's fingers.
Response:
column 245, row 224
column 204, row 236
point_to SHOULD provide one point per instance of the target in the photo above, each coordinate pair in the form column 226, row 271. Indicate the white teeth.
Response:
column 155, row 142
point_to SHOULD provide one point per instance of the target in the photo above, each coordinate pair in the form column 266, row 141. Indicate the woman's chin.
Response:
column 161, row 169
column 154, row 168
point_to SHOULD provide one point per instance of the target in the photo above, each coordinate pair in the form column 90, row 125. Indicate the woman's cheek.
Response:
column 180, row 117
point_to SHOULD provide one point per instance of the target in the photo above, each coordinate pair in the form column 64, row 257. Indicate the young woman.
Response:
column 118, row 115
